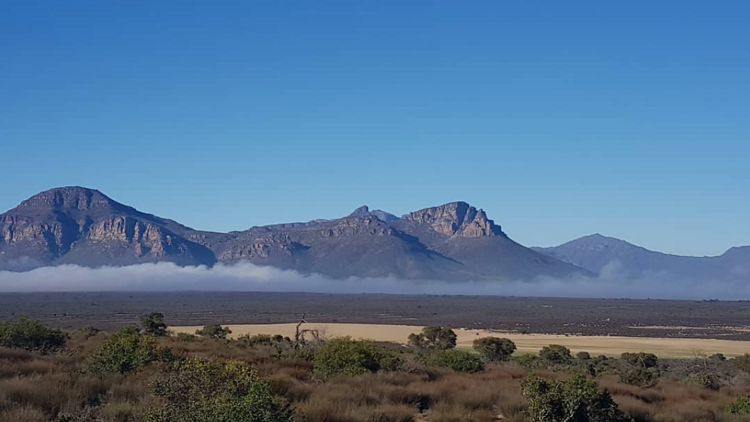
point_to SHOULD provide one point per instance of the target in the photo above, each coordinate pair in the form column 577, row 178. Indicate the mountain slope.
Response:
column 467, row 235
column 613, row 257
column 362, row 246
column 83, row 226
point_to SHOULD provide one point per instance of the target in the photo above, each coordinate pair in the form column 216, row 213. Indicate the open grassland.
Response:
column 530, row 343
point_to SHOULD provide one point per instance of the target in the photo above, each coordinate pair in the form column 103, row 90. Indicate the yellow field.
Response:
column 596, row 345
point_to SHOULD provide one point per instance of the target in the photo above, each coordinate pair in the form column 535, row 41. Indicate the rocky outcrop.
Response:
column 364, row 210
column 69, row 198
column 456, row 219
column 266, row 246
column 369, row 225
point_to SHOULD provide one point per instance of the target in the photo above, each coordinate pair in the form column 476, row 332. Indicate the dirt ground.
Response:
column 596, row 345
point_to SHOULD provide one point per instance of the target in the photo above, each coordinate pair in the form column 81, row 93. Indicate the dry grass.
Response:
column 529, row 343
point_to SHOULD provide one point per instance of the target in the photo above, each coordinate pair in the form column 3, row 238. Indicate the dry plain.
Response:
column 596, row 345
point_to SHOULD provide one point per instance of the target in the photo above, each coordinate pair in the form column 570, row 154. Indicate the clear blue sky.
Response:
column 560, row 118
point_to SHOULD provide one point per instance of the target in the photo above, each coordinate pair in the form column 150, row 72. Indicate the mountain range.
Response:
column 450, row 242
column 453, row 242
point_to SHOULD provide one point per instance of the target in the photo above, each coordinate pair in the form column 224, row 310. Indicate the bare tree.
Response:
column 300, row 335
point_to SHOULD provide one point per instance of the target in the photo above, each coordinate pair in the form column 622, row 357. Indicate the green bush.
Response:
column 127, row 351
column 264, row 340
column 214, row 331
column 344, row 356
column 529, row 361
column 741, row 406
column 303, row 353
column 153, row 325
column 704, row 379
column 494, row 349
column 644, row 360
column 556, row 354
column 575, row 400
column 641, row 377
column 433, row 338
column 583, row 356
column 31, row 335
column 458, row 360
column 197, row 390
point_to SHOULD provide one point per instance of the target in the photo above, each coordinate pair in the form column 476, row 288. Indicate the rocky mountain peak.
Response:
column 71, row 197
column 363, row 210
column 456, row 219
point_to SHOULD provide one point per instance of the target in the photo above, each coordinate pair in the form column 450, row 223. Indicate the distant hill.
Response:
column 617, row 258
column 453, row 242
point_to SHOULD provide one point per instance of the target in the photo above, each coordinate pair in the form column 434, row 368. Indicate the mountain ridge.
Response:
column 452, row 242
column 602, row 255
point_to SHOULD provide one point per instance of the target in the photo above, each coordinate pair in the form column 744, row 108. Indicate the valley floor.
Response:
column 579, row 317
column 529, row 343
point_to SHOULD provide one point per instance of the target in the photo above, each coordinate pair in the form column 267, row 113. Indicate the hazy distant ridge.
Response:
column 619, row 259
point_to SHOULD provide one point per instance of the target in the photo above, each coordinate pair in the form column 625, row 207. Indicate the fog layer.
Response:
column 249, row 277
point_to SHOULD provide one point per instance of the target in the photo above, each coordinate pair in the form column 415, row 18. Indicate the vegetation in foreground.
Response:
column 142, row 374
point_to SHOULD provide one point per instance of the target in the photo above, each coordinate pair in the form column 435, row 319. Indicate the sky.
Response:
column 560, row 119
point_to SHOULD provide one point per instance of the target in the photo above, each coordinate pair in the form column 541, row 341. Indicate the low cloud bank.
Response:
column 249, row 277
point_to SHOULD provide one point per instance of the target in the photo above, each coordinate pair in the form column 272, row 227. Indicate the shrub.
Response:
column 263, row 340
column 153, row 325
column 90, row 331
column 640, row 377
column 31, row 335
column 197, row 390
column 719, row 357
column 644, row 360
column 583, row 356
column 529, row 361
column 435, row 338
column 576, row 400
column 214, row 331
column 494, row 349
column 185, row 337
column 556, row 354
column 741, row 406
column 458, row 360
column 742, row 362
column 303, row 353
column 704, row 379
column 344, row 356
column 126, row 351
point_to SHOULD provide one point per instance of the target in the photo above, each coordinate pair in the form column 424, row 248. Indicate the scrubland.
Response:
column 135, row 375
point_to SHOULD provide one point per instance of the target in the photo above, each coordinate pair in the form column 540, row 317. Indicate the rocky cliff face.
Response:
column 69, row 198
column 456, row 219
column 259, row 246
